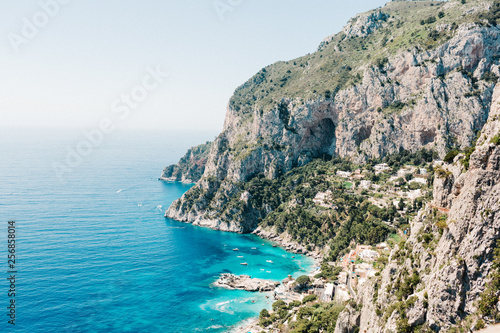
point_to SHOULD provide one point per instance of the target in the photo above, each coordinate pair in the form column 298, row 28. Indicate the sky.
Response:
column 154, row 64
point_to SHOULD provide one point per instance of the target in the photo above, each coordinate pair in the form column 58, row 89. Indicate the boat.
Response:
column 254, row 248
column 269, row 261
column 262, row 269
column 268, row 271
column 293, row 256
column 236, row 249
column 240, row 256
column 274, row 245
column 244, row 264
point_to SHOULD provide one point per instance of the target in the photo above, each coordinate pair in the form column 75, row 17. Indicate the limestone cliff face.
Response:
column 451, row 255
column 191, row 166
column 413, row 99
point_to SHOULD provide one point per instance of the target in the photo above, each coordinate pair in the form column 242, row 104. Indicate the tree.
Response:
column 280, row 304
column 309, row 298
column 302, row 281
column 401, row 204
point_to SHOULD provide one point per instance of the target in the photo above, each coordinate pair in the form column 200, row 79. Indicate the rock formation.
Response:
column 191, row 166
column 450, row 252
column 244, row 282
column 434, row 94
column 394, row 78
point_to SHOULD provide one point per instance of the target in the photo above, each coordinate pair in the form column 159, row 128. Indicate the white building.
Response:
column 323, row 198
column 329, row 292
column 381, row 167
column 382, row 246
column 418, row 180
column 344, row 174
column 365, row 184
column 368, row 255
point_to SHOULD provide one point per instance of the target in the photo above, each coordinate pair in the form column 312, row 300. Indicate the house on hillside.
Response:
column 329, row 292
column 344, row 174
column 349, row 258
column 381, row 167
column 368, row 255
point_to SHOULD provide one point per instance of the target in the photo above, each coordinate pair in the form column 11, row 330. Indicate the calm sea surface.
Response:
column 94, row 252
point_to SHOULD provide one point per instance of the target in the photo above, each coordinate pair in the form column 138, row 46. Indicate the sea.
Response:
column 93, row 250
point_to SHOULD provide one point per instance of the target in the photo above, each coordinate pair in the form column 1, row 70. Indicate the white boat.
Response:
column 268, row 271
column 236, row 249
column 254, row 248
column 240, row 256
column 244, row 263
column 269, row 261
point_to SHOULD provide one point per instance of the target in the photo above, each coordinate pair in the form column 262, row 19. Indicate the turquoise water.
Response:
column 95, row 253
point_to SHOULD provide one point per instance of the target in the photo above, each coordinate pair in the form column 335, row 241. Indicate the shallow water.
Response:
column 95, row 253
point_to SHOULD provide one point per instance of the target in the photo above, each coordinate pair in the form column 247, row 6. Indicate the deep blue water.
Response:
column 94, row 252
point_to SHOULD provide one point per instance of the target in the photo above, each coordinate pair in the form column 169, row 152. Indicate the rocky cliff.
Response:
column 395, row 78
column 190, row 167
column 435, row 279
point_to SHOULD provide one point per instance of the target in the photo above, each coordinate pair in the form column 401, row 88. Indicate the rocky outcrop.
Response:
column 414, row 99
column 285, row 241
column 449, row 254
column 244, row 282
column 360, row 26
column 190, row 167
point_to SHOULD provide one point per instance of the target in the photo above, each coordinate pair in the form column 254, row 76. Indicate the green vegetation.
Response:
column 317, row 318
column 309, row 298
column 192, row 164
column 396, row 160
column 493, row 15
column 496, row 139
column 489, row 297
column 303, row 281
column 307, row 223
column 450, row 156
column 335, row 65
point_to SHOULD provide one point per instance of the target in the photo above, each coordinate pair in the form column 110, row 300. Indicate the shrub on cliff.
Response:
column 450, row 156
column 309, row 298
column 496, row 139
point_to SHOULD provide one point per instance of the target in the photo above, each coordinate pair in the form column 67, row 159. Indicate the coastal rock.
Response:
column 285, row 241
column 245, row 282
column 416, row 99
column 190, row 167
column 452, row 271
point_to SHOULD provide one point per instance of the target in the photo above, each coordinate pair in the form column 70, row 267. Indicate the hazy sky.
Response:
column 76, row 61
